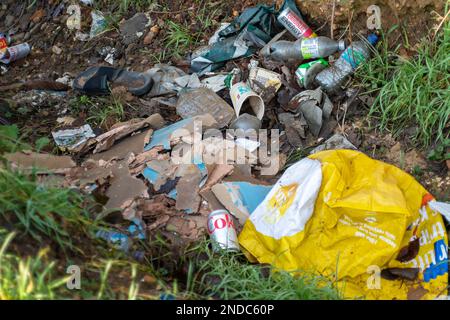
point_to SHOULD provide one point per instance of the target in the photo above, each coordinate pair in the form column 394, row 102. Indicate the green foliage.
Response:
column 441, row 151
column 39, row 210
column 10, row 140
column 179, row 38
column 411, row 92
column 230, row 276
column 31, row 278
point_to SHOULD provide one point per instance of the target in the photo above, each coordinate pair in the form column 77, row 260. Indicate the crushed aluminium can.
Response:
column 307, row 72
column 221, row 229
column 295, row 25
column 15, row 53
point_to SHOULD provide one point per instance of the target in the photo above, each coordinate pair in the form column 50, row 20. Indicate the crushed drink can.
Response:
column 15, row 53
column 307, row 72
column 222, row 232
column 295, row 25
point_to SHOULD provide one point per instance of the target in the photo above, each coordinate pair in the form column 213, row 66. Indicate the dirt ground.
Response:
column 56, row 53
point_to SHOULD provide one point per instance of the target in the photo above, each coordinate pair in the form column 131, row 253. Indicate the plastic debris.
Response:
column 328, row 213
column 203, row 100
column 134, row 28
column 245, row 122
column 302, row 49
column 332, row 78
column 98, row 25
column 248, row 32
column 109, row 54
column 73, row 139
column 261, row 79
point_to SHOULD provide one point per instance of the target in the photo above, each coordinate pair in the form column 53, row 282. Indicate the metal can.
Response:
column 222, row 232
column 306, row 73
column 15, row 53
column 295, row 25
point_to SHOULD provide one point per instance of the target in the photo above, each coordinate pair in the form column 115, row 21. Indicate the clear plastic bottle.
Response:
column 332, row 78
column 303, row 49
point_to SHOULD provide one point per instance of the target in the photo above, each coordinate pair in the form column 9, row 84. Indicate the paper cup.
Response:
column 240, row 93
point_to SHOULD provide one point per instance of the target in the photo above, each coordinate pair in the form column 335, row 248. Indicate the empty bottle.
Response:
column 302, row 49
column 332, row 78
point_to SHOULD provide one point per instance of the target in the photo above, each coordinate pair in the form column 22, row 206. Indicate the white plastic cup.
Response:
column 240, row 93
column 14, row 53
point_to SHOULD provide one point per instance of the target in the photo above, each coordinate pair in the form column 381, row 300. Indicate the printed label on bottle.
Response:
column 353, row 57
column 310, row 48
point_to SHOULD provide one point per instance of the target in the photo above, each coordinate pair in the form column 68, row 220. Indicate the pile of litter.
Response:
column 218, row 169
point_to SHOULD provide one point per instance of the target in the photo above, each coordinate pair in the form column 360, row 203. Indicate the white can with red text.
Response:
column 295, row 25
column 222, row 231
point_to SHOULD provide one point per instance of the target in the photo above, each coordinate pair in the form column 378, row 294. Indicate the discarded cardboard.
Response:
column 240, row 198
column 44, row 163
column 122, row 129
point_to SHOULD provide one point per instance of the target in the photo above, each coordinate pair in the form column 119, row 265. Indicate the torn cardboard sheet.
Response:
column 191, row 227
column 180, row 181
column 134, row 144
column 240, row 198
column 158, row 171
column 123, row 187
column 218, row 172
column 43, row 162
column 173, row 133
column 188, row 198
column 138, row 163
column 122, row 129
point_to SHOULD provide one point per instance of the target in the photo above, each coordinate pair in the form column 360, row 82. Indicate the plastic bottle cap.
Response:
column 342, row 45
column 372, row 38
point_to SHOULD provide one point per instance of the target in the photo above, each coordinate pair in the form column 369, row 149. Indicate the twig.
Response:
column 332, row 19
column 440, row 24
column 170, row 12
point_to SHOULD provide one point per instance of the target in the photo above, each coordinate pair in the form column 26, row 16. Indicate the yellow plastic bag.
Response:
column 367, row 218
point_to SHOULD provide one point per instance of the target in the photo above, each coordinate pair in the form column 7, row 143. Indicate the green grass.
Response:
column 101, row 111
column 38, row 210
column 179, row 39
column 30, row 278
column 37, row 277
column 230, row 276
column 411, row 92
column 120, row 8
